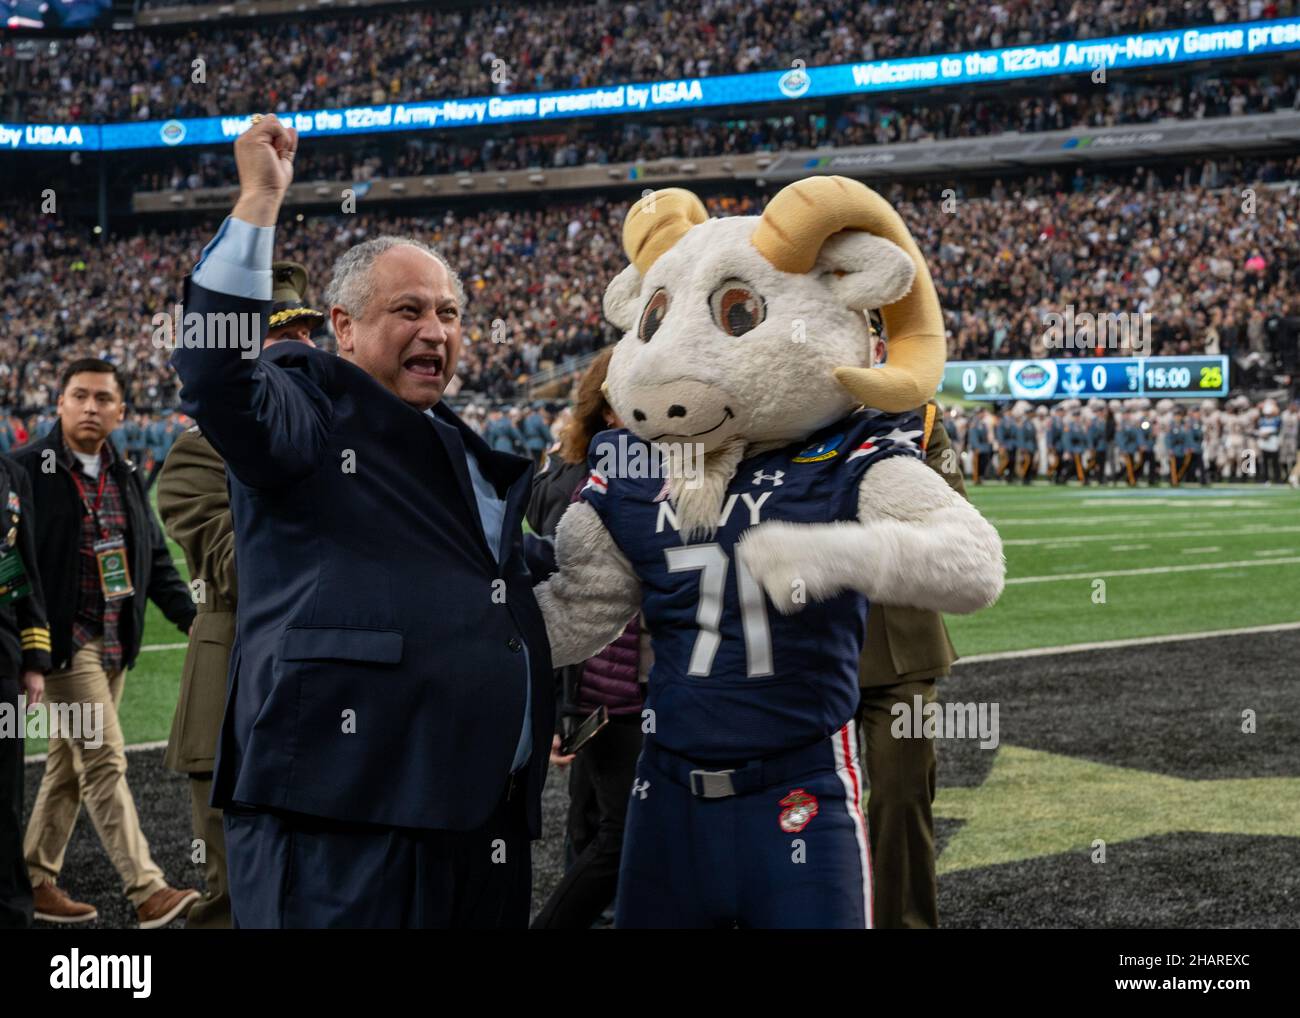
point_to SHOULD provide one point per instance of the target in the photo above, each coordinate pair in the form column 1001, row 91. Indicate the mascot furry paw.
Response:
column 795, row 493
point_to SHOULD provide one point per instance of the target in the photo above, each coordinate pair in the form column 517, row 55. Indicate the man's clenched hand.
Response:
column 264, row 157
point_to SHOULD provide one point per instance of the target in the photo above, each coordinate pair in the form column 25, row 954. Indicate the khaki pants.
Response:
column 901, row 773
column 75, row 773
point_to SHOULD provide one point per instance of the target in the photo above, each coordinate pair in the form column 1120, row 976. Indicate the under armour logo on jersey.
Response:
column 760, row 477
column 639, row 787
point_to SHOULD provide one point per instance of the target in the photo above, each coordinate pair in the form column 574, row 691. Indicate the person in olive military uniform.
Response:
column 195, row 507
column 905, row 652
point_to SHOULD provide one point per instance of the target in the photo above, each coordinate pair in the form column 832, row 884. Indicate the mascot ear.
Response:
column 865, row 271
column 621, row 298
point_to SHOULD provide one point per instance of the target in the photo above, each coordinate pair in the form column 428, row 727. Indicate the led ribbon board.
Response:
column 1085, row 377
column 1148, row 49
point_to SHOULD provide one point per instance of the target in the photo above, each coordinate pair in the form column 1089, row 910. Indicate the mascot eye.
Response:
column 653, row 315
column 736, row 308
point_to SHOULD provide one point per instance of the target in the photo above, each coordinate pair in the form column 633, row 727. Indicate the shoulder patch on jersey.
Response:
column 820, row 451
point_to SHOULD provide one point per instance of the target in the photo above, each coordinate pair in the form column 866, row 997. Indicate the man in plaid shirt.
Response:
column 101, row 557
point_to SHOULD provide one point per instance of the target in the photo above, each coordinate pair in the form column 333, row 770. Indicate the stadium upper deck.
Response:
column 419, row 52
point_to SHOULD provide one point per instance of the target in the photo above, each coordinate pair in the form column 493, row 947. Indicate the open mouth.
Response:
column 726, row 416
column 425, row 365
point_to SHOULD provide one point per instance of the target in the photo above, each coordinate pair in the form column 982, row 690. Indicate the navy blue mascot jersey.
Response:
column 733, row 679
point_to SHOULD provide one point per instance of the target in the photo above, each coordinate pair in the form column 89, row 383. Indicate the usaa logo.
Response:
column 826, row 450
column 173, row 132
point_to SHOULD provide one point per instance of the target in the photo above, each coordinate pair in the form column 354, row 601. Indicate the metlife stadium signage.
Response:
column 1150, row 49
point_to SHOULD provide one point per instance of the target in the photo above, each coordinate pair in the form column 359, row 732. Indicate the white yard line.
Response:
column 1164, row 534
column 1153, row 570
column 1078, row 518
column 1140, row 641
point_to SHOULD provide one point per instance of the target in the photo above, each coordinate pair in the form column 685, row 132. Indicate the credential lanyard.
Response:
column 99, row 497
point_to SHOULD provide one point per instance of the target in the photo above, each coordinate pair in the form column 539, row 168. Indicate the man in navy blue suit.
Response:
column 384, row 744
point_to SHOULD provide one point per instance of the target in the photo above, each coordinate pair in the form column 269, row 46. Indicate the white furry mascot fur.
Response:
column 792, row 494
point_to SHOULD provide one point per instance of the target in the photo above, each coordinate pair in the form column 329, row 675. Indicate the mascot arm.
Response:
column 917, row 543
column 593, row 596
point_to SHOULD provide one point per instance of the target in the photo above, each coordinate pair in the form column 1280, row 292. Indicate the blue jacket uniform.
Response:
column 537, row 436
column 1127, row 440
column 977, row 437
column 749, row 682
column 1097, row 436
column 1074, row 438
column 767, row 699
column 503, row 436
column 1008, row 433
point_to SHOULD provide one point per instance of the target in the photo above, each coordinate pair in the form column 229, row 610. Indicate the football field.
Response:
column 1126, row 788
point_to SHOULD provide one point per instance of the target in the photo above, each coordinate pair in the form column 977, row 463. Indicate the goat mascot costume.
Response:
column 746, row 338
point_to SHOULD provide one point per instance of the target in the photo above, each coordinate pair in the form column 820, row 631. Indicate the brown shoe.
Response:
column 53, row 906
column 163, row 906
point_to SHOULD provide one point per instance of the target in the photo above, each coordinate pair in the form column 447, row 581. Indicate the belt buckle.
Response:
column 712, row 784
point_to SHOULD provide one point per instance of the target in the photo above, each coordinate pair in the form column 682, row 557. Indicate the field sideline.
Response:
column 1173, row 561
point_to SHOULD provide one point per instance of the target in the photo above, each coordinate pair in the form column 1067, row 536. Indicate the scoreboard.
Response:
column 1085, row 377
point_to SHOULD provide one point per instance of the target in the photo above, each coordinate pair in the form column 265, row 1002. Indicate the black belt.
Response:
column 719, row 781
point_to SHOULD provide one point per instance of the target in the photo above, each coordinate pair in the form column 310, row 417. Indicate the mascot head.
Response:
column 752, row 329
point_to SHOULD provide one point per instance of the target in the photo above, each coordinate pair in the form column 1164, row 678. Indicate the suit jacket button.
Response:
column 514, row 644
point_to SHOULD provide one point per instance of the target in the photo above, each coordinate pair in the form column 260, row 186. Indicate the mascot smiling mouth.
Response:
column 726, row 416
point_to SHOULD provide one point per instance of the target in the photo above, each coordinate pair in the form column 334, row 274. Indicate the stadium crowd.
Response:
column 341, row 61
column 857, row 124
column 1212, row 277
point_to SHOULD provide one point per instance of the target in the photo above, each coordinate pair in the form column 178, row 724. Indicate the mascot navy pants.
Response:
column 289, row 871
column 777, row 843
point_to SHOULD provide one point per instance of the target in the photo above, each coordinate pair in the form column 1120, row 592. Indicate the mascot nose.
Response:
column 676, row 410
